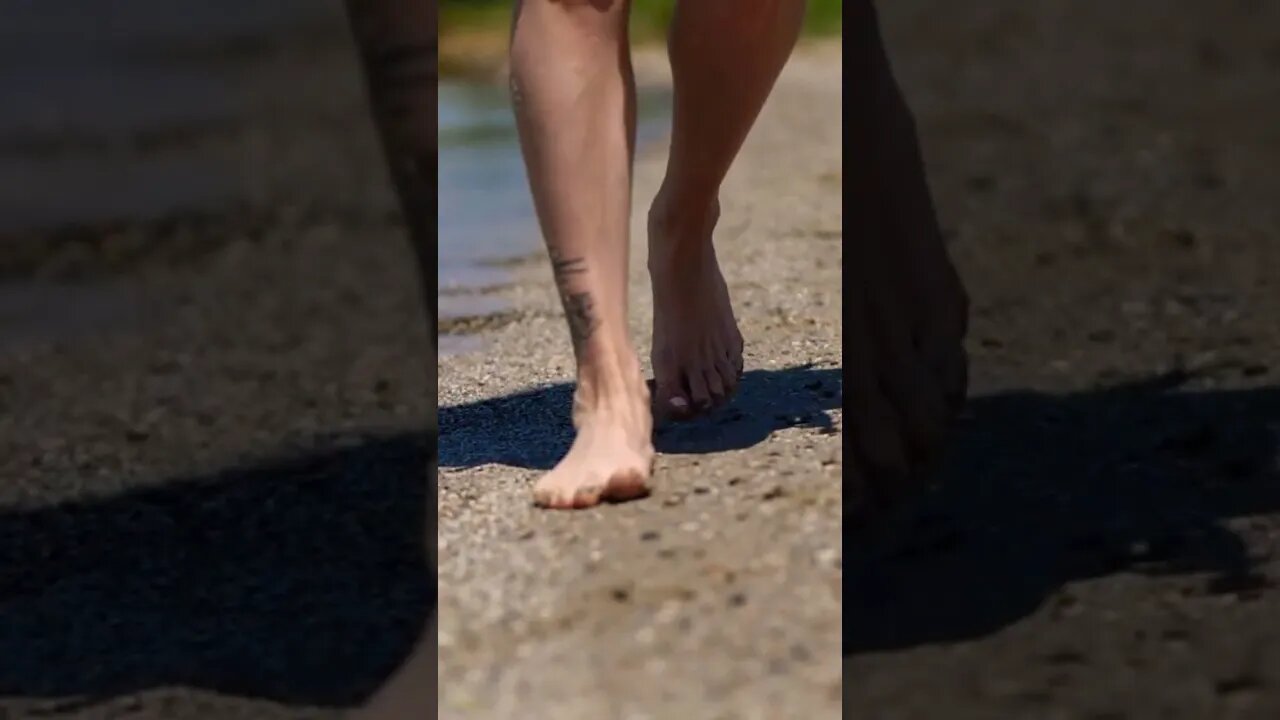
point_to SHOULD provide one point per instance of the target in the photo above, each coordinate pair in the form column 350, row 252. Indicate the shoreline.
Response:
column 483, row 59
column 480, row 54
column 468, row 333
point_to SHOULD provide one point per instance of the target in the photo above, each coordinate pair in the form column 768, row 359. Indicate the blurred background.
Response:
column 486, row 214
column 212, row 379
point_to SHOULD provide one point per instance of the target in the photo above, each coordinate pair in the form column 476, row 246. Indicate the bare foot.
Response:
column 697, row 348
column 905, row 310
column 612, row 455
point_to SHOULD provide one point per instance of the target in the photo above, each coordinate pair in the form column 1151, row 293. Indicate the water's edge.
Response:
column 486, row 213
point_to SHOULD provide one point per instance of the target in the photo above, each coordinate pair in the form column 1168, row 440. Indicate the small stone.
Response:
column 1254, row 370
column 1182, row 237
column 827, row 556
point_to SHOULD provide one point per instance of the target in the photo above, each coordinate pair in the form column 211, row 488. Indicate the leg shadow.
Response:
column 1043, row 490
column 301, row 581
column 532, row 429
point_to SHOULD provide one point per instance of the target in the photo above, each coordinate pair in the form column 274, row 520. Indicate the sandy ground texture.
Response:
column 719, row 595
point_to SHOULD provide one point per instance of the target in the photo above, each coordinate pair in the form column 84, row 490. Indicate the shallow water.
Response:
column 486, row 212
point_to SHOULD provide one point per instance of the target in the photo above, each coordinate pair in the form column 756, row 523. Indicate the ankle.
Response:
column 609, row 378
column 680, row 229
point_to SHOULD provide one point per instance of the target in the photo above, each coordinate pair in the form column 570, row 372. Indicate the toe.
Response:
column 881, row 437
column 920, row 405
column 715, row 386
column 671, row 401
column 699, row 394
column 728, row 375
column 545, row 495
column 878, row 443
column 586, row 496
column 626, row 485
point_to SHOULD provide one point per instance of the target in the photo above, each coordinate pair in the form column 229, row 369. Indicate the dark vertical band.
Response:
column 397, row 42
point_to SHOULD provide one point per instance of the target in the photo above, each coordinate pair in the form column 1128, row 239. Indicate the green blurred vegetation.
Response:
column 649, row 18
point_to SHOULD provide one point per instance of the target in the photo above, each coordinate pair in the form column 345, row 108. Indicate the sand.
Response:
column 719, row 595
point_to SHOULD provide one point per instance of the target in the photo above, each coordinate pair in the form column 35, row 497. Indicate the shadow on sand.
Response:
column 1043, row 490
column 532, row 429
column 301, row 581
column 256, row 581
column 1039, row 490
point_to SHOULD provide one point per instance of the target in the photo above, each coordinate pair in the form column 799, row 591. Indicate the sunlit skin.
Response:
column 574, row 97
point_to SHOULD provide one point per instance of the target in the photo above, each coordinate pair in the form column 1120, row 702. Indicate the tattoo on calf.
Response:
column 579, row 307
column 579, row 310
column 564, row 267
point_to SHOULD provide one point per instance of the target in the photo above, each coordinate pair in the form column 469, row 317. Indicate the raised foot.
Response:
column 906, row 316
column 697, row 348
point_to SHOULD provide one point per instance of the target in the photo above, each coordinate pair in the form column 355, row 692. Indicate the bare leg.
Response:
column 397, row 41
column 574, row 98
column 726, row 56
column 906, row 307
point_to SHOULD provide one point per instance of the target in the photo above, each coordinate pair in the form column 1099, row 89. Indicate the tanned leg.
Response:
column 726, row 56
column 397, row 42
column 574, row 98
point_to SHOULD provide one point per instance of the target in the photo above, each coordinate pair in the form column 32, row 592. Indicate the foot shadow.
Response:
column 532, row 429
column 300, row 581
column 1044, row 490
